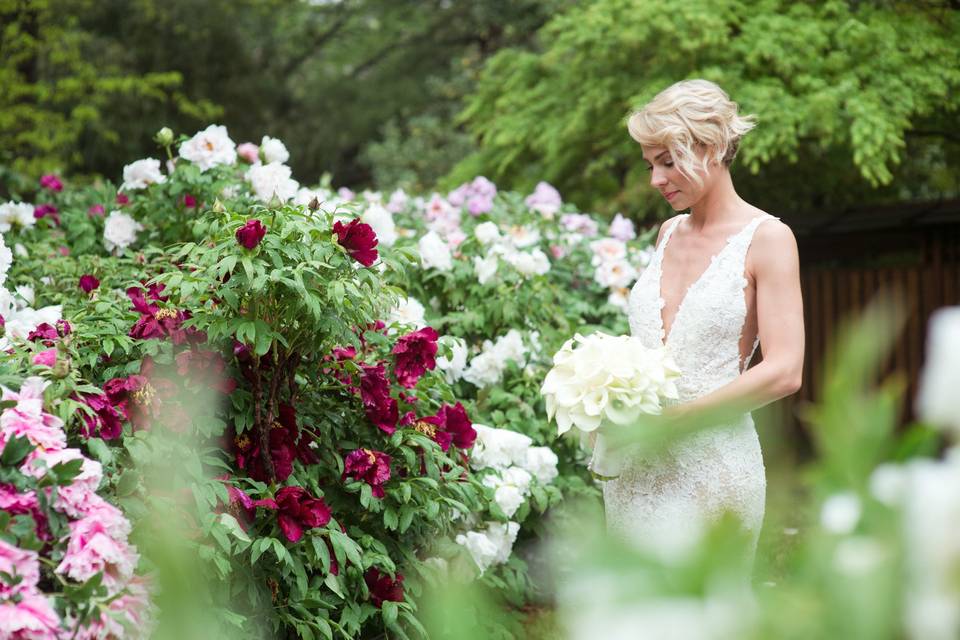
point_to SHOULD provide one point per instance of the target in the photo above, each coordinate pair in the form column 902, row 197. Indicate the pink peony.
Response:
column 189, row 201
column 380, row 407
column 47, row 358
column 20, row 563
column 479, row 204
column 132, row 608
column 622, row 228
column 32, row 618
column 44, row 210
column 298, row 510
column 250, row 234
column 94, row 546
column 96, row 210
column 122, row 199
column 27, row 418
column 383, row 587
column 88, row 283
column 249, row 152
column 415, row 355
column 51, row 182
column 372, row 467
column 359, row 240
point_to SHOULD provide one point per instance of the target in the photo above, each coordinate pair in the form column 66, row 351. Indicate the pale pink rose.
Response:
column 47, row 358
column 622, row 228
column 18, row 562
column 437, row 207
column 455, row 238
column 346, row 194
column 608, row 249
column 249, row 152
column 28, row 419
column 33, row 618
column 557, row 251
column 545, row 199
column 92, row 548
column 459, row 195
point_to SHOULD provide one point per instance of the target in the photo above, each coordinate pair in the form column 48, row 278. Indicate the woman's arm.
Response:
column 776, row 268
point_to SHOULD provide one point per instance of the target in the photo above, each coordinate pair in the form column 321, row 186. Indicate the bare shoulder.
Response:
column 774, row 248
column 666, row 224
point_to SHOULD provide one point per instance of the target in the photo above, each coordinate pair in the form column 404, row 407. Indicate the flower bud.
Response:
column 164, row 137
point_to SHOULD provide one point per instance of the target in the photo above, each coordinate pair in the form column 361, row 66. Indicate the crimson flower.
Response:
column 205, row 367
column 189, row 201
column 51, row 182
column 250, row 234
column 358, row 239
column 44, row 210
column 415, row 354
column 106, row 422
column 155, row 322
column 372, row 467
column 96, row 210
column 145, row 399
column 47, row 333
column 383, row 587
column 123, row 199
column 298, row 510
column 88, row 283
column 381, row 409
column 286, row 445
column 242, row 506
column 450, row 425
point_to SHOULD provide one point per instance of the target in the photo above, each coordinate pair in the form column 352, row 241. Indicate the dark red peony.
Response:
column 157, row 322
column 242, row 506
column 206, row 368
column 383, row 587
column 96, row 210
column 88, row 283
column 450, row 425
column 415, row 354
column 46, row 333
column 358, row 239
column 250, row 234
column 380, row 407
column 189, row 201
column 372, row 467
column 43, row 210
column 51, row 182
column 106, row 421
column 298, row 510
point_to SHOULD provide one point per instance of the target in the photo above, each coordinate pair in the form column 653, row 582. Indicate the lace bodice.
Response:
column 662, row 500
column 705, row 335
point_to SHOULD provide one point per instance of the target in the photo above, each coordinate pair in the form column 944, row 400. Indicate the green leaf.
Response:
column 234, row 527
column 16, row 449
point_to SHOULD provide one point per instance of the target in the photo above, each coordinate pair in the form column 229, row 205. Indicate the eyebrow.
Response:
column 657, row 157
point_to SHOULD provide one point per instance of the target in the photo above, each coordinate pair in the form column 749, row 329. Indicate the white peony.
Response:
column 486, row 268
column 619, row 298
column 840, row 513
column 26, row 294
column 382, row 223
column 6, row 259
column 607, row 249
column 272, row 180
column 487, row 232
column 499, row 448
column 119, row 231
column 616, row 274
column 510, row 347
column 453, row 367
column 209, row 148
column 16, row 214
column 408, row 311
column 541, row 462
column 141, row 174
column 273, row 150
column 482, row 549
column 398, row 201
column 521, row 236
column 607, row 378
column 435, row 253
column 937, row 400
column 503, row 535
column 485, row 369
column 305, row 196
column 509, row 498
column 529, row 263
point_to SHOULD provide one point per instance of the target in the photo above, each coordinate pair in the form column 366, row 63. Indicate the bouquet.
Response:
column 602, row 380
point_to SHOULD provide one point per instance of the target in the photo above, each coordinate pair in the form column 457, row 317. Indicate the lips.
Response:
column 670, row 195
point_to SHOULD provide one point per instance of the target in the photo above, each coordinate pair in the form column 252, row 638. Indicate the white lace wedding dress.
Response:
column 662, row 502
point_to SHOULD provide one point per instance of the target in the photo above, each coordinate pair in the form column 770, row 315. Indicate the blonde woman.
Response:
column 723, row 279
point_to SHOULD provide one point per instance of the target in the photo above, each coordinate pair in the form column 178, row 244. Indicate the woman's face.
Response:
column 681, row 192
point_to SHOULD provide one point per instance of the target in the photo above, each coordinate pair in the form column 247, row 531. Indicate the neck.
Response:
column 718, row 203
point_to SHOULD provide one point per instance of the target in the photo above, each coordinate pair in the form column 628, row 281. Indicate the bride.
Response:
column 724, row 278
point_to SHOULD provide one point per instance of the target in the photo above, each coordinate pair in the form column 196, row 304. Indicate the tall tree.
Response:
column 854, row 99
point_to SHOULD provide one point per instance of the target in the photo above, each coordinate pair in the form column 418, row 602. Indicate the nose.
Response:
column 658, row 178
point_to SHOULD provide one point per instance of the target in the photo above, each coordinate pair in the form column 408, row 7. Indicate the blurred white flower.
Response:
column 617, row 274
column 408, row 311
column 887, row 484
column 529, row 263
column 606, row 250
column 272, row 180
column 619, row 297
column 521, row 236
column 382, row 223
column 938, row 400
column 305, row 196
column 541, row 462
column 485, row 369
column 482, row 549
column 454, row 366
column 858, row 555
column 141, row 174
column 485, row 268
column 20, row 251
column 273, row 150
column 840, row 513
column 209, row 148
column 6, row 259
column 487, row 232
column 398, row 201
column 119, row 231
column 499, row 448
column 434, row 252
column 16, row 214
column 26, row 292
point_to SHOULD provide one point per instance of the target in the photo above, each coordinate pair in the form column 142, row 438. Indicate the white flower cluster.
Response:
column 16, row 215
column 141, row 174
column 613, row 268
column 512, row 463
column 119, row 231
column 492, row 545
column 508, row 247
column 454, row 366
column 607, row 378
column 381, row 221
column 6, row 260
column 209, row 148
column 272, row 180
column 408, row 311
column 20, row 318
column 435, row 252
column 488, row 366
column 938, row 401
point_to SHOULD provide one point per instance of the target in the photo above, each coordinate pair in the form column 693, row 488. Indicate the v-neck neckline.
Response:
column 664, row 334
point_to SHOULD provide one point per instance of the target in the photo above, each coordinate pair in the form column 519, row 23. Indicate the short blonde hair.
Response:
column 688, row 115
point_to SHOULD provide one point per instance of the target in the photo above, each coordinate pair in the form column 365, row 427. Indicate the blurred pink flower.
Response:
column 96, row 210
column 51, row 182
column 249, row 152
column 189, row 201
column 32, row 618
column 20, row 563
column 46, row 358
column 88, row 283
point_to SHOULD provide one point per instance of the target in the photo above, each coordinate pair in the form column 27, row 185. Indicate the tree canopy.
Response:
column 855, row 100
